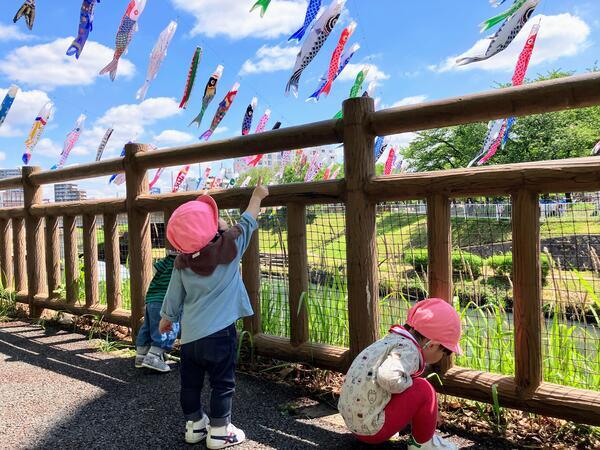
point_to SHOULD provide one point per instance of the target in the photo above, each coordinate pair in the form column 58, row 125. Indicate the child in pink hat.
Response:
column 206, row 282
column 382, row 393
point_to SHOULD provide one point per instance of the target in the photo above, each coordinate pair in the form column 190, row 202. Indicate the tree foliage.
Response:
column 557, row 135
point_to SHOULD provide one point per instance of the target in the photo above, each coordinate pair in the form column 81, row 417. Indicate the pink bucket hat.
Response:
column 437, row 320
column 194, row 225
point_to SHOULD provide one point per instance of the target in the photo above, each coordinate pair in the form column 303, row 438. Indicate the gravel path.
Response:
column 57, row 391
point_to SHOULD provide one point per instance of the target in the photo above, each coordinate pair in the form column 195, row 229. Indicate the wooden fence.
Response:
column 35, row 232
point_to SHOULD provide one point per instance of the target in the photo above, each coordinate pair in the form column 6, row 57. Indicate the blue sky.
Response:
column 409, row 46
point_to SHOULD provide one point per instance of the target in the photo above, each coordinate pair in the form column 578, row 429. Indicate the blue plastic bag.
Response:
column 168, row 339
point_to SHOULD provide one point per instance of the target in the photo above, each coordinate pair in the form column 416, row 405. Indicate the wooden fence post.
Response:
column 19, row 255
column 71, row 259
column 34, row 236
column 298, row 272
column 439, row 238
column 112, row 256
column 52, row 255
column 6, row 262
column 140, row 245
column 251, row 278
column 361, row 230
column 527, row 290
column 166, row 217
column 90, row 260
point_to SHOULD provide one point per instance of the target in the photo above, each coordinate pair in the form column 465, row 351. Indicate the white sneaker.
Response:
column 140, row 355
column 221, row 437
column 156, row 362
column 196, row 431
column 437, row 442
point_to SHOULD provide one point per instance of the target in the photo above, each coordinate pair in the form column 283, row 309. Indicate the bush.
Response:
column 503, row 265
column 463, row 263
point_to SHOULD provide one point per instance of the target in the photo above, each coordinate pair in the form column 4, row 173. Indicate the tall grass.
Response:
column 571, row 353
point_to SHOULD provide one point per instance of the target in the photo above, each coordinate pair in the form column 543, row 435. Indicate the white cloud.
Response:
column 560, row 36
column 351, row 70
column 221, row 130
column 270, row 59
column 407, row 101
column 231, row 18
column 173, row 137
column 130, row 122
column 402, row 140
column 23, row 112
column 2, row 156
column 12, row 33
column 47, row 148
column 46, row 66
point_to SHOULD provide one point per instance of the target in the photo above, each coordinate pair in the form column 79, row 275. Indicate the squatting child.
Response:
column 150, row 347
column 382, row 392
column 207, row 282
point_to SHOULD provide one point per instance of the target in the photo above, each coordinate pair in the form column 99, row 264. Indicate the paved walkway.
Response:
column 58, row 392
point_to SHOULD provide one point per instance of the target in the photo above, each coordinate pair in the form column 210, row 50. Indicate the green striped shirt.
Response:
column 160, row 282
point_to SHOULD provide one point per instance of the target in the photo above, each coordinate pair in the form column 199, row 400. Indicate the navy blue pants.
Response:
column 214, row 355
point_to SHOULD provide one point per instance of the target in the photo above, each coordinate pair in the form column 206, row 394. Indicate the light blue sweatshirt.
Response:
column 213, row 302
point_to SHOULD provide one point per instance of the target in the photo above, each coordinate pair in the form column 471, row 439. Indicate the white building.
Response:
column 272, row 160
column 68, row 192
column 11, row 197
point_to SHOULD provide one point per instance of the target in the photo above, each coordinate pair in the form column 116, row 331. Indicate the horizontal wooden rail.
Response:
column 566, row 175
column 117, row 317
column 11, row 183
column 292, row 138
column 535, row 98
column 320, row 355
column 548, row 399
column 301, row 193
column 97, row 207
column 10, row 213
column 80, row 172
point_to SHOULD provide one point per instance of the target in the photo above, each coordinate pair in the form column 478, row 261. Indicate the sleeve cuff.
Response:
column 164, row 315
column 251, row 220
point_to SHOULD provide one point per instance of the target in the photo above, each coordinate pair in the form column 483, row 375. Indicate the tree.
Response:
column 564, row 134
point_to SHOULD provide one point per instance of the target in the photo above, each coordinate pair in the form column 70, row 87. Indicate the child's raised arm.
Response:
column 259, row 194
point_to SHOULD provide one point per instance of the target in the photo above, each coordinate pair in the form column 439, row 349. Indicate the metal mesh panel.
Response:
column 570, row 245
column 327, row 297
column 481, row 268
column 401, row 238
column 274, row 289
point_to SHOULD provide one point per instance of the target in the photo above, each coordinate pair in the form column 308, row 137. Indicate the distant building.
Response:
column 68, row 193
column 11, row 197
column 272, row 160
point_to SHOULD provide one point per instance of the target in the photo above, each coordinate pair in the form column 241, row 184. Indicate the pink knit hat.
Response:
column 194, row 225
column 437, row 320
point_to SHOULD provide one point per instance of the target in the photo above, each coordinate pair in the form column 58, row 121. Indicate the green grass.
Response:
column 571, row 353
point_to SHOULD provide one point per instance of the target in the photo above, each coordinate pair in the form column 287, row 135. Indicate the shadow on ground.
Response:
column 58, row 392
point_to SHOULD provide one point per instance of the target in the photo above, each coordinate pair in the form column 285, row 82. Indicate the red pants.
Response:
column 416, row 406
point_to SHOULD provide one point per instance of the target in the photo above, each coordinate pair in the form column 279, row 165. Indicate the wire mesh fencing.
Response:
column 274, row 287
column 482, row 273
column 570, row 245
column 327, row 296
column 402, row 254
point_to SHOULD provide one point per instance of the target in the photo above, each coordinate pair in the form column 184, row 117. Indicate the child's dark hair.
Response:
column 418, row 336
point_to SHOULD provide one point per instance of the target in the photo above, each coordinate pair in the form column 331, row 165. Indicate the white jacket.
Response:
column 384, row 368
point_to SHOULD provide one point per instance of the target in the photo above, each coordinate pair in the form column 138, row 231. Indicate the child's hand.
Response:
column 260, row 191
column 165, row 326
